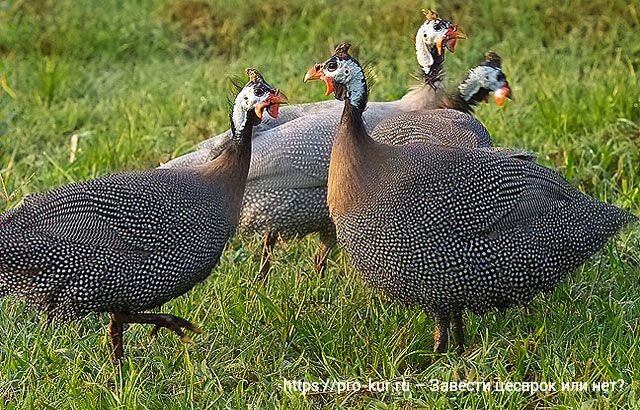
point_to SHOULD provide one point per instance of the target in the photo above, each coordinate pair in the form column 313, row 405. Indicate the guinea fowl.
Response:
column 286, row 188
column 454, row 115
column 447, row 228
column 130, row 242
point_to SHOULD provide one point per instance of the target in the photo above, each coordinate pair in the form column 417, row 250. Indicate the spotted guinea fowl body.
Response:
column 286, row 187
column 130, row 242
column 126, row 242
column 452, row 229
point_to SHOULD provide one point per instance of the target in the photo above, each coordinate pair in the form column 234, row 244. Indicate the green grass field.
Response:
column 138, row 82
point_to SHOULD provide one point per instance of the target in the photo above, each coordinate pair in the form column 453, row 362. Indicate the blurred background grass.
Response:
column 91, row 87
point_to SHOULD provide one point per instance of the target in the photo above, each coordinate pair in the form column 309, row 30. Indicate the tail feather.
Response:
column 22, row 263
column 548, row 249
column 591, row 225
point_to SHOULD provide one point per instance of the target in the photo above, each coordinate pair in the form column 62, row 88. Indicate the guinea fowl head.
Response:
column 484, row 79
column 343, row 75
column 433, row 38
column 251, row 102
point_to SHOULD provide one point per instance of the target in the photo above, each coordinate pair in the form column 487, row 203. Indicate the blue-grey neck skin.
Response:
column 350, row 84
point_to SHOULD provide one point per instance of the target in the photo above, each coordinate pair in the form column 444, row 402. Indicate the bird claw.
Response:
column 176, row 325
column 170, row 322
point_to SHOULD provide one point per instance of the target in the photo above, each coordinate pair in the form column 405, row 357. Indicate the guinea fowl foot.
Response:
column 171, row 322
column 322, row 254
column 115, row 330
column 458, row 331
column 320, row 260
column 441, row 334
column 268, row 243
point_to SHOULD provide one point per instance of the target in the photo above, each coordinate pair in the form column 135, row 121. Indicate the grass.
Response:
column 135, row 83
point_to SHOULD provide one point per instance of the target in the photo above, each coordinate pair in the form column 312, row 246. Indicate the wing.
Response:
column 477, row 191
column 294, row 155
column 443, row 126
column 132, row 211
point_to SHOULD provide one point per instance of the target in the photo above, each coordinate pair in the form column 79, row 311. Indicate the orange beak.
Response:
column 272, row 104
column 503, row 93
column 316, row 73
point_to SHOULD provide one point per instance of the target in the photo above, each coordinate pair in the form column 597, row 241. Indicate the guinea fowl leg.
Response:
column 268, row 243
column 327, row 242
column 441, row 333
column 458, row 331
column 115, row 330
column 171, row 322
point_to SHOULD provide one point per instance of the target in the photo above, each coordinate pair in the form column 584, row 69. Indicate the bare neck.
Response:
column 455, row 101
column 427, row 95
column 422, row 97
column 355, row 162
column 434, row 76
column 229, row 170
